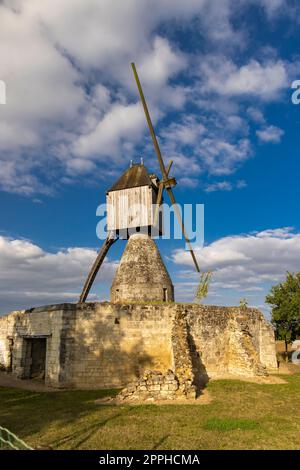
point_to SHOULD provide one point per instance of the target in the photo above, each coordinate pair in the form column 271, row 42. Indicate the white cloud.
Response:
column 114, row 32
column 270, row 134
column 41, row 84
column 284, row 233
column 160, row 63
column 124, row 122
column 225, row 186
column 241, row 184
column 243, row 264
column 187, row 182
column 219, row 186
column 223, row 157
column 213, row 145
column 265, row 80
column 273, row 7
column 69, row 83
column 30, row 275
column 16, row 177
column 256, row 115
column 55, row 111
column 186, row 133
column 121, row 123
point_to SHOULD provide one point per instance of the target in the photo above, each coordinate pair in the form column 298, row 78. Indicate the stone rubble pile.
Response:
column 156, row 386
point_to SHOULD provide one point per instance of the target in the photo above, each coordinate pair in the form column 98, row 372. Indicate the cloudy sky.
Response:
column 217, row 75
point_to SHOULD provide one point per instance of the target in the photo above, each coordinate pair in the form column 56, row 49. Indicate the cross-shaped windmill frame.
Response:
column 165, row 183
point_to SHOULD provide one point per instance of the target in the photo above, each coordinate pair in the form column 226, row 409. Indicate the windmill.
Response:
column 133, row 185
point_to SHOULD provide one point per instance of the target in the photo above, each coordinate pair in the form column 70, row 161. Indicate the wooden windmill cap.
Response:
column 135, row 176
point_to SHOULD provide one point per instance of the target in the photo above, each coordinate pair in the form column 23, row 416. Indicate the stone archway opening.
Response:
column 35, row 358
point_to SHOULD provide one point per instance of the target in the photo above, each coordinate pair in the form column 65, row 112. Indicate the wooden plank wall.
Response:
column 129, row 208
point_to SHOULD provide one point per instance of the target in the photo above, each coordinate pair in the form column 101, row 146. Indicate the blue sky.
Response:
column 217, row 76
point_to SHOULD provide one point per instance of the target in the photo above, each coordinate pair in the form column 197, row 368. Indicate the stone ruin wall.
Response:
column 114, row 344
column 102, row 345
column 42, row 321
column 232, row 340
column 6, row 331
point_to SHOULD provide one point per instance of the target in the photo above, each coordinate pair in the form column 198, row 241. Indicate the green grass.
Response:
column 241, row 415
column 228, row 424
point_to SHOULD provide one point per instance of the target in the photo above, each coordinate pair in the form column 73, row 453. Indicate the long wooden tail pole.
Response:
column 96, row 266
column 161, row 163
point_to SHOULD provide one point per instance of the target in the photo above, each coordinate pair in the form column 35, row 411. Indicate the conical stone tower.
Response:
column 141, row 275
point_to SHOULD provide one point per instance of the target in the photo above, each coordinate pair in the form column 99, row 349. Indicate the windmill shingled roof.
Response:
column 133, row 177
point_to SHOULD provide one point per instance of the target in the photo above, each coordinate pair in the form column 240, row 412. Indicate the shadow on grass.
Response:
column 27, row 413
column 160, row 442
column 86, row 433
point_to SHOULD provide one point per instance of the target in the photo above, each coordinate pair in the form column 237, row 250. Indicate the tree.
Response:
column 285, row 301
column 202, row 288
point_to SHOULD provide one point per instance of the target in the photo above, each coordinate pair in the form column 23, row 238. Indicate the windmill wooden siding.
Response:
column 130, row 208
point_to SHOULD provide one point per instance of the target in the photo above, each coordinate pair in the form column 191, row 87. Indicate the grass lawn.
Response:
column 241, row 415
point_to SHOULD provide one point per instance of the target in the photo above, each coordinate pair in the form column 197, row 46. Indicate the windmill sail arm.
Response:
column 169, row 167
column 149, row 121
column 178, row 214
column 167, row 182
column 158, row 203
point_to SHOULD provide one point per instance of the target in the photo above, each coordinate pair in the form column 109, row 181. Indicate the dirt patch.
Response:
column 268, row 380
column 288, row 368
column 34, row 385
column 204, row 399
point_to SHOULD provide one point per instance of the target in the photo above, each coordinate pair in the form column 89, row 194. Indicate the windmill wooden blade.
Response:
column 96, row 266
column 166, row 182
column 169, row 167
column 150, row 125
column 172, row 198
column 158, row 203
column 160, row 194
